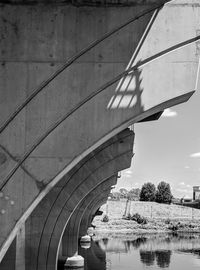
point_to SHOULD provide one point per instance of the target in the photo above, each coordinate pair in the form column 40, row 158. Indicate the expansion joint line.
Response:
column 94, row 94
column 71, row 60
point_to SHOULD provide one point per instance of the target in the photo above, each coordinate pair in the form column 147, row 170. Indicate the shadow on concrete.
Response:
column 128, row 93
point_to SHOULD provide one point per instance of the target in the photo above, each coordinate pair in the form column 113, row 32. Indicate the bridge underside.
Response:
column 73, row 77
column 79, row 3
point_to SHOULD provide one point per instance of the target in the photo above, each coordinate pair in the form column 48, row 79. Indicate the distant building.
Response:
column 196, row 193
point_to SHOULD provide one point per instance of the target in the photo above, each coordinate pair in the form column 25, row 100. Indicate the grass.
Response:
column 161, row 218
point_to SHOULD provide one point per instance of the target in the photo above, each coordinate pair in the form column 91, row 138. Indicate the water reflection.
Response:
column 95, row 256
column 162, row 258
column 149, row 252
column 147, row 257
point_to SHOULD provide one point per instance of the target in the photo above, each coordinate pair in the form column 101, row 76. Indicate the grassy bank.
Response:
column 160, row 218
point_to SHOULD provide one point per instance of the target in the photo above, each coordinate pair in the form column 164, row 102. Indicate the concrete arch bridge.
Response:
column 74, row 75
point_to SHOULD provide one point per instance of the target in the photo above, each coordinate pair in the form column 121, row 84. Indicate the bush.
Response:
column 167, row 221
column 173, row 227
column 138, row 218
column 163, row 193
column 148, row 192
column 105, row 218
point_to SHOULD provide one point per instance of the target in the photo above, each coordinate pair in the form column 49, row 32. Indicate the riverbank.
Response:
column 160, row 218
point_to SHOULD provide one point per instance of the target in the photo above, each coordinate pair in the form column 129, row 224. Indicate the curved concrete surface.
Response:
column 59, row 128
column 90, row 214
column 47, row 222
column 71, row 233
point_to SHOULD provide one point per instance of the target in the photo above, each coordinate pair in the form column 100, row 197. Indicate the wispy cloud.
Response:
column 128, row 172
column 195, row 155
column 182, row 184
column 182, row 190
column 187, row 167
column 169, row 113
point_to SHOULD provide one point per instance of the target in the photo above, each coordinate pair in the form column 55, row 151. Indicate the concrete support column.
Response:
column 15, row 256
column 20, row 249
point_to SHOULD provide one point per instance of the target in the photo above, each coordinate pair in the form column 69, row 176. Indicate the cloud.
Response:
column 187, row 167
column 182, row 183
column 182, row 190
column 128, row 172
column 195, row 155
column 169, row 113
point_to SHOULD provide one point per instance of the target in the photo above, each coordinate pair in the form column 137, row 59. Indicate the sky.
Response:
column 168, row 150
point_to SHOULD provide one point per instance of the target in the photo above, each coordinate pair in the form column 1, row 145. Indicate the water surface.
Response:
column 174, row 252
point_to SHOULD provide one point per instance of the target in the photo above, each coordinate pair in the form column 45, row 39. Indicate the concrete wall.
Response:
column 35, row 42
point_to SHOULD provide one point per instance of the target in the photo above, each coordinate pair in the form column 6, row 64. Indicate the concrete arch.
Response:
column 90, row 214
column 58, row 206
column 71, row 234
column 59, row 229
column 73, row 140
column 75, row 232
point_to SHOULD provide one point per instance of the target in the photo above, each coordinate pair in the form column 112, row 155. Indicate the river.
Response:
column 168, row 251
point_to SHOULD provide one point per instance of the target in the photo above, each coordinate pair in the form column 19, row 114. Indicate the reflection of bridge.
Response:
column 63, row 126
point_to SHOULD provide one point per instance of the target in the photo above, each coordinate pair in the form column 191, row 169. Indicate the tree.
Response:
column 148, row 192
column 163, row 193
column 115, row 195
column 123, row 192
column 134, row 194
